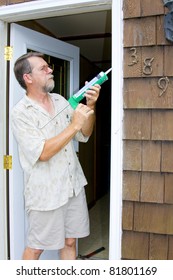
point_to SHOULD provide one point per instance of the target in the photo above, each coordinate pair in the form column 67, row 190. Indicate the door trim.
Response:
column 3, row 146
column 115, row 228
column 38, row 9
column 50, row 8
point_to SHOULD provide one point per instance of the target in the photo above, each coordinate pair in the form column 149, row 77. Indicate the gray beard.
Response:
column 50, row 87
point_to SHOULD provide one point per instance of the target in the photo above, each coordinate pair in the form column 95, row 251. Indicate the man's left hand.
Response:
column 92, row 95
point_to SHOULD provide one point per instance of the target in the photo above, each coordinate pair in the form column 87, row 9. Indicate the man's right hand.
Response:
column 81, row 116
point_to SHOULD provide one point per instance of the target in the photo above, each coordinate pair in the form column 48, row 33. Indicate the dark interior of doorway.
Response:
column 95, row 155
column 96, row 246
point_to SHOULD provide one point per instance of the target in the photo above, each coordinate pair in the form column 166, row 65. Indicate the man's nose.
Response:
column 50, row 70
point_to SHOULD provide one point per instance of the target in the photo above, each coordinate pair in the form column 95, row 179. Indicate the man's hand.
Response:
column 81, row 115
column 92, row 95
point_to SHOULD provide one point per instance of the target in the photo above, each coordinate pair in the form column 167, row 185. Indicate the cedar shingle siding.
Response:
column 147, row 132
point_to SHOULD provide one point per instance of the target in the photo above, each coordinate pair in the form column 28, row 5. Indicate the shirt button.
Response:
column 65, row 150
column 69, row 163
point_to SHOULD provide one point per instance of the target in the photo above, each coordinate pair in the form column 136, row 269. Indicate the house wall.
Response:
column 148, row 133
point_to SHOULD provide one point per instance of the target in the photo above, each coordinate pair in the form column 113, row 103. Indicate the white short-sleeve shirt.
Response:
column 48, row 184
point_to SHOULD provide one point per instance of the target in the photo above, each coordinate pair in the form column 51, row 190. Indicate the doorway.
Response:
column 95, row 155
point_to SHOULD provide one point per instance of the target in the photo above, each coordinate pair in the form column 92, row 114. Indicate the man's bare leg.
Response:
column 31, row 254
column 69, row 251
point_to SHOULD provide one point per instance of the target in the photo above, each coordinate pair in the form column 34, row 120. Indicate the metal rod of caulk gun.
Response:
column 55, row 116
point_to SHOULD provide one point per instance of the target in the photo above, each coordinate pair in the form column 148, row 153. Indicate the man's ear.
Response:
column 27, row 78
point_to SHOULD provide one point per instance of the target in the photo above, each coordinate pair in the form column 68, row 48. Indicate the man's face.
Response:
column 42, row 78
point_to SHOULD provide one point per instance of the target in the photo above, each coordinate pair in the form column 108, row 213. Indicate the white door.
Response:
column 21, row 40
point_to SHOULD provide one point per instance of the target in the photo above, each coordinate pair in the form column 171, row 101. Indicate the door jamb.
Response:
column 3, row 146
column 115, row 228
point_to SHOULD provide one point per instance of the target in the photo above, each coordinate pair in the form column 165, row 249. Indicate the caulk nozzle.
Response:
column 109, row 70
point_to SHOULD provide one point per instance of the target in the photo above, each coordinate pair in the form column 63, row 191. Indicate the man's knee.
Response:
column 38, row 252
column 70, row 242
column 32, row 254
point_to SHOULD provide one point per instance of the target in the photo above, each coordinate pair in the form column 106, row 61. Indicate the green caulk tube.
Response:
column 78, row 96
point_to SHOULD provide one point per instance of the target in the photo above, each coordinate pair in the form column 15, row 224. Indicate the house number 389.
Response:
column 148, row 70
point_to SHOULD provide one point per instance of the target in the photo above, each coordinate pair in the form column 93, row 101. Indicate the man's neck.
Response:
column 44, row 100
column 38, row 96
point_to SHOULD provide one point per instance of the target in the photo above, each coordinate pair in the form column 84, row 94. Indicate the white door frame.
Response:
column 3, row 184
column 45, row 8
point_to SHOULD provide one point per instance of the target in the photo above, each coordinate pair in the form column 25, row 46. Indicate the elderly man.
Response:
column 54, row 181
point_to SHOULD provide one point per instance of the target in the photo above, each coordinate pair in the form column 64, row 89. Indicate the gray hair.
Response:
column 22, row 66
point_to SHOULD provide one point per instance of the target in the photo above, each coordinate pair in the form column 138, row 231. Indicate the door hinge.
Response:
column 8, row 53
column 7, row 162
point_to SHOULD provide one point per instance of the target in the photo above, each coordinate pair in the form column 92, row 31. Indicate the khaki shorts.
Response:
column 48, row 229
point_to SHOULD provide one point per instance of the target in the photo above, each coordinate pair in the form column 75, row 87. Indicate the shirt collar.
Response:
column 31, row 103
